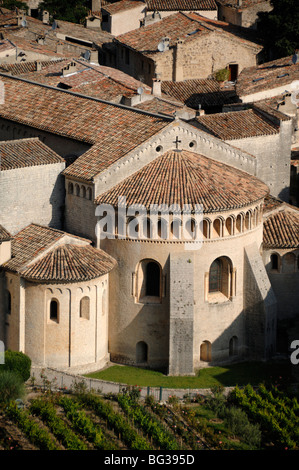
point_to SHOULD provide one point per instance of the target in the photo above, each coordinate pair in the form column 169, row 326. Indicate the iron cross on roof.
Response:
column 177, row 142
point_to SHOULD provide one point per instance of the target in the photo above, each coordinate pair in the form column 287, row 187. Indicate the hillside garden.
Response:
column 49, row 418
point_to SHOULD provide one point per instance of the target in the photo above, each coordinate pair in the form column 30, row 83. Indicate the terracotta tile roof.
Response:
column 267, row 76
column 4, row 234
column 29, row 243
column 70, row 263
column 6, row 45
column 27, row 67
column 61, row 257
column 281, row 229
column 236, row 124
column 245, row 3
column 182, row 177
column 162, row 105
column 26, row 152
column 81, row 118
column 188, row 27
column 193, row 92
column 123, row 5
column 183, row 5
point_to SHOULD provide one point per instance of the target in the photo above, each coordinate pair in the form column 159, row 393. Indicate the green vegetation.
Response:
column 279, row 30
column 237, row 374
column 72, row 10
column 18, row 362
column 11, row 386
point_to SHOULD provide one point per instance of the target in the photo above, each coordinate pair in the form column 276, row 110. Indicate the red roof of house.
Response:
column 183, row 177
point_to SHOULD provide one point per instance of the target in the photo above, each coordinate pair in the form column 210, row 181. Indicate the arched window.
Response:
column 215, row 276
column 217, row 228
column 221, row 279
column 8, row 302
column 149, row 281
column 274, row 262
column 141, row 352
column 89, row 194
column 54, row 310
column 229, row 226
column 83, row 190
column 85, row 308
column 77, row 190
column 233, row 346
column 289, row 262
column 70, row 188
column 152, row 279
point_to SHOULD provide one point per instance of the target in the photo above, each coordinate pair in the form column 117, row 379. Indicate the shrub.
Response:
column 11, row 386
column 17, row 362
column 222, row 75
column 238, row 423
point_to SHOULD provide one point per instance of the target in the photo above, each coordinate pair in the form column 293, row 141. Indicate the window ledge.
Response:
column 217, row 298
column 148, row 299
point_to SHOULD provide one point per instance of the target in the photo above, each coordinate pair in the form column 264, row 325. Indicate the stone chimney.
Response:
column 59, row 48
column 38, row 65
column 69, row 68
column 45, row 17
column 178, row 61
column 21, row 16
column 156, row 88
column 200, row 111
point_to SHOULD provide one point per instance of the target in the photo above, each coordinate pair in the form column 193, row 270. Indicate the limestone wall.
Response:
column 32, row 194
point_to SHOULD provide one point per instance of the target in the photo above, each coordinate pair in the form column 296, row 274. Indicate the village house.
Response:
column 127, row 15
column 183, row 46
column 242, row 13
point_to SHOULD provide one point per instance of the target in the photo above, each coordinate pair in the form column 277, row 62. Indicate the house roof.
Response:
column 77, row 117
column 245, row 3
column 26, row 153
column 163, row 105
column 122, row 5
column 70, row 263
column 192, row 92
column 4, row 234
column 267, row 76
column 188, row 27
column 236, row 124
column 45, row 254
column 183, row 177
column 182, row 5
column 281, row 229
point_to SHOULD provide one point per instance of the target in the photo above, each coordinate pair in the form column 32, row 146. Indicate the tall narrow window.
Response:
column 141, row 352
column 274, row 261
column 84, row 308
column 8, row 302
column 153, row 279
column 215, row 276
column 54, row 310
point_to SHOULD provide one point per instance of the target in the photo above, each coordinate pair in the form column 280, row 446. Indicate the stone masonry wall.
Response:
column 32, row 194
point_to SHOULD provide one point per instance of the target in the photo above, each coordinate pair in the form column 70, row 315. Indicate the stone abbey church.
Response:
column 73, row 300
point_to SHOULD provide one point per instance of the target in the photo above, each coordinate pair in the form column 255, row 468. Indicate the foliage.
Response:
column 148, row 423
column 279, row 421
column 13, row 4
column 47, row 412
column 278, row 28
column 17, row 362
column 11, row 386
column 38, row 436
column 116, row 421
column 222, row 75
column 84, row 425
column 72, row 10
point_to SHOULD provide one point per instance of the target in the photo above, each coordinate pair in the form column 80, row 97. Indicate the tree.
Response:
column 279, row 28
column 74, row 11
column 13, row 4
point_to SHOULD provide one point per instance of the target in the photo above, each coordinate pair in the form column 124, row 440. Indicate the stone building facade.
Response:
column 171, row 302
column 183, row 46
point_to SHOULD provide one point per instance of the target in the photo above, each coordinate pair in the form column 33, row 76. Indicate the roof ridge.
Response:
column 91, row 98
